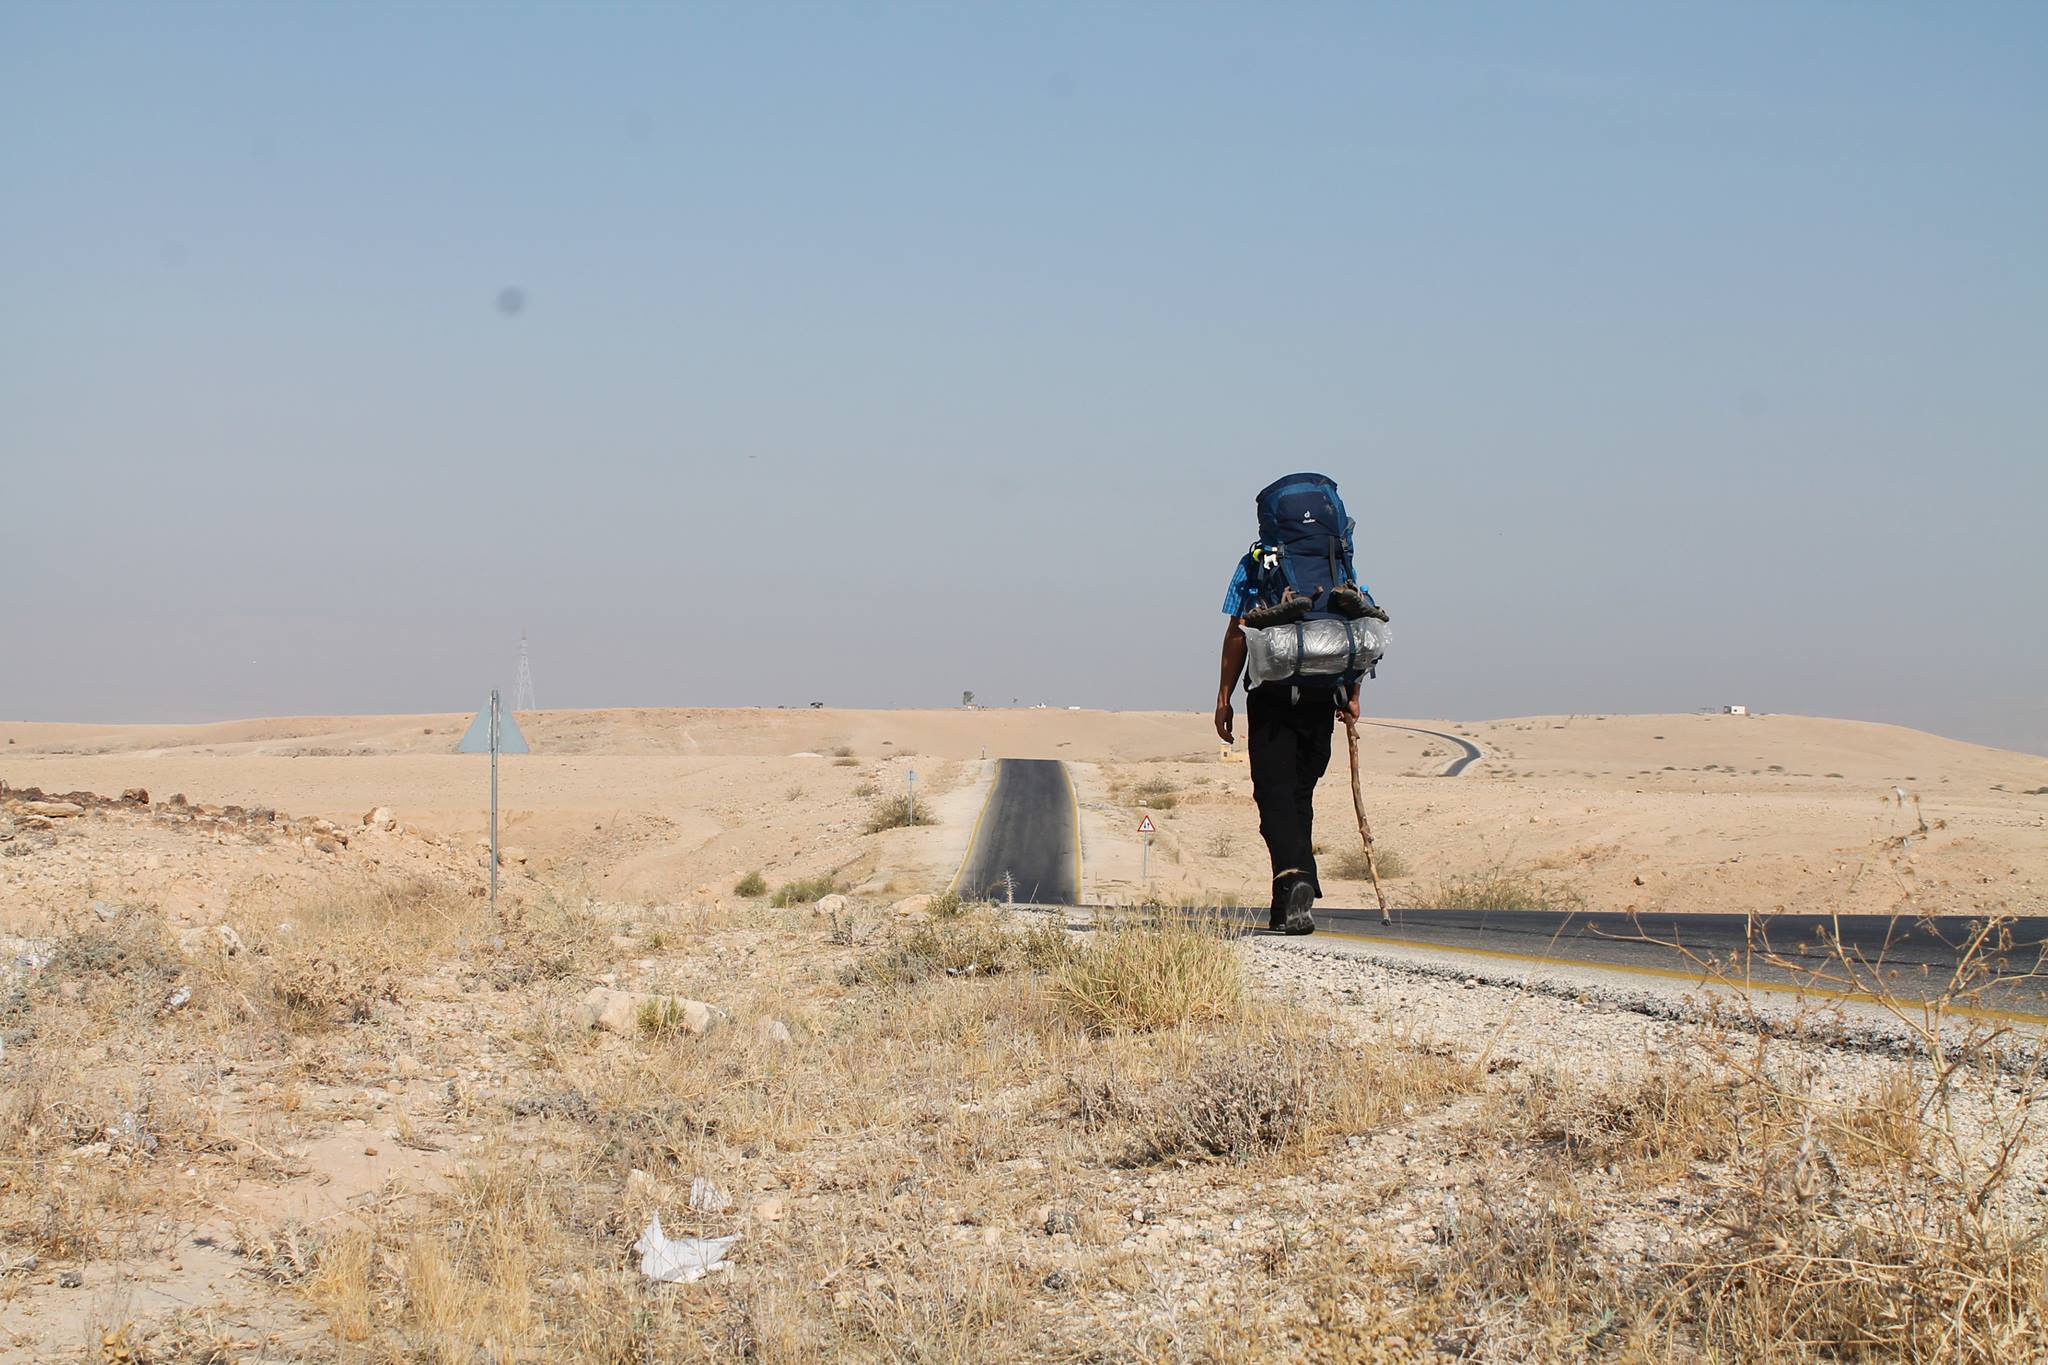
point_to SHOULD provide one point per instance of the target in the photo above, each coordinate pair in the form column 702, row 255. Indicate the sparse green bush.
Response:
column 946, row 905
column 803, row 891
column 898, row 812
column 753, row 884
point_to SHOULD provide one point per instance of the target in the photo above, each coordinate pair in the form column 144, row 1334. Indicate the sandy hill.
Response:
column 1683, row 812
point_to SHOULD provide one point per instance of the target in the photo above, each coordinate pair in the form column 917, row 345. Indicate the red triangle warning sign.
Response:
column 1145, row 825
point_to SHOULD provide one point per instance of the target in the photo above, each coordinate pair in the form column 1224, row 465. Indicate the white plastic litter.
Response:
column 680, row 1260
column 1312, row 649
column 706, row 1197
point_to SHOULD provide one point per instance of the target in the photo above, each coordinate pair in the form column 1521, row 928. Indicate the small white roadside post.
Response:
column 910, row 806
column 1145, row 851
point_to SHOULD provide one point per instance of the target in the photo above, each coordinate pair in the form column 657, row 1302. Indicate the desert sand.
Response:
column 279, row 1086
column 1678, row 812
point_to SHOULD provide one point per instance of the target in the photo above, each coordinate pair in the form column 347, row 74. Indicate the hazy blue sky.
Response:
column 1668, row 354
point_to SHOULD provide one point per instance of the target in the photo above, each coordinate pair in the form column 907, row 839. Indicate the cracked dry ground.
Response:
column 383, row 1127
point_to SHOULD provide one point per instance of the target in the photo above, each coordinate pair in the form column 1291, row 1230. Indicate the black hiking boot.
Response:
column 1285, row 612
column 1352, row 605
column 1301, row 899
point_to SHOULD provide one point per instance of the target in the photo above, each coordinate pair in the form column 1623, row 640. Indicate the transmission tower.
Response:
column 522, row 689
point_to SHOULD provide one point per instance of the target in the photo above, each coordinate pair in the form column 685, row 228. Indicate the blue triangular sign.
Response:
column 478, row 738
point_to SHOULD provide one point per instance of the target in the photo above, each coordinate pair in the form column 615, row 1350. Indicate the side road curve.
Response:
column 1473, row 753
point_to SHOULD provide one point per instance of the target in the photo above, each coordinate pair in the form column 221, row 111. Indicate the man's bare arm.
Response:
column 1233, row 668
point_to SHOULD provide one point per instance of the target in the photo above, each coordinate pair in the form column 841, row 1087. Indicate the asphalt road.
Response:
column 1471, row 755
column 1912, row 958
column 1025, row 850
column 1026, row 845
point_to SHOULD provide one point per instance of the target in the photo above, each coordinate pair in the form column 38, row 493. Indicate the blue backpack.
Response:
column 1304, row 554
column 1304, row 543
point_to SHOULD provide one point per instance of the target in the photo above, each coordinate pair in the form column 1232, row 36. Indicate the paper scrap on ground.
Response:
column 679, row 1260
column 706, row 1197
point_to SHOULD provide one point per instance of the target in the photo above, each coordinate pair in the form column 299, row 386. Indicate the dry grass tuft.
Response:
column 961, row 945
column 1501, row 888
column 1137, row 974
column 1266, row 1085
column 1351, row 864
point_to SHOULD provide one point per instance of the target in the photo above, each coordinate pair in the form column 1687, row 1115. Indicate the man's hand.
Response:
column 1233, row 668
column 1351, row 705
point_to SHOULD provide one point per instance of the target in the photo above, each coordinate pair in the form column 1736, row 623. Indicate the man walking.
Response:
column 1299, row 569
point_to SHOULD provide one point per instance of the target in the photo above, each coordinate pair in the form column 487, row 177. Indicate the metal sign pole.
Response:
column 1145, row 861
column 910, row 808
column 494, row 800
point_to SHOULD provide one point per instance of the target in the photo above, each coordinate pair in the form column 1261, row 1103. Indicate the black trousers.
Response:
column 1288, row 732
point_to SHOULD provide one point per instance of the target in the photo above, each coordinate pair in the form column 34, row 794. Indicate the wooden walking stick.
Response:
column 1372, row 865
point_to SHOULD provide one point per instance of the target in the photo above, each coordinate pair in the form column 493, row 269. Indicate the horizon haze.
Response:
column 1666, row 357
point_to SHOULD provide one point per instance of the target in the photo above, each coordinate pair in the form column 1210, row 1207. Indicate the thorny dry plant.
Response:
column 1884, row 1225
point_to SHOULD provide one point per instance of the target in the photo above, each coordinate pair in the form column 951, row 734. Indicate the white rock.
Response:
column 832, row 904
column 772, row 1031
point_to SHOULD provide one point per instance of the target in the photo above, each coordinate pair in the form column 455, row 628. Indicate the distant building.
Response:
column 1735, row 710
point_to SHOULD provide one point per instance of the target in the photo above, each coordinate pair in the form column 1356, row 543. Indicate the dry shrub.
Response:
column 1889, row 1228
column 751, row 886
column 1500, row 887
column 1252, row 1102
column 338, row 1282
column 549, row 940
column 898, row 812
column 1351, row 863
column 1517, row 1279
column 1279, row 1084
column 186, row 1337
column 1883, row 1128
column 961, row 944
column 1138, row 974
column 340, row 954
column 1676, row 1112
column 124, row 968
column 1800, row 1272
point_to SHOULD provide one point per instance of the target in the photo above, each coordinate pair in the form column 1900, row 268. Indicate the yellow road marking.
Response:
column 1673, row 974
column 1074, row 802
column 974, row 835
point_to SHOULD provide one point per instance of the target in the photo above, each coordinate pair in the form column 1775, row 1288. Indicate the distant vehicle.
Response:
column 817, row 706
